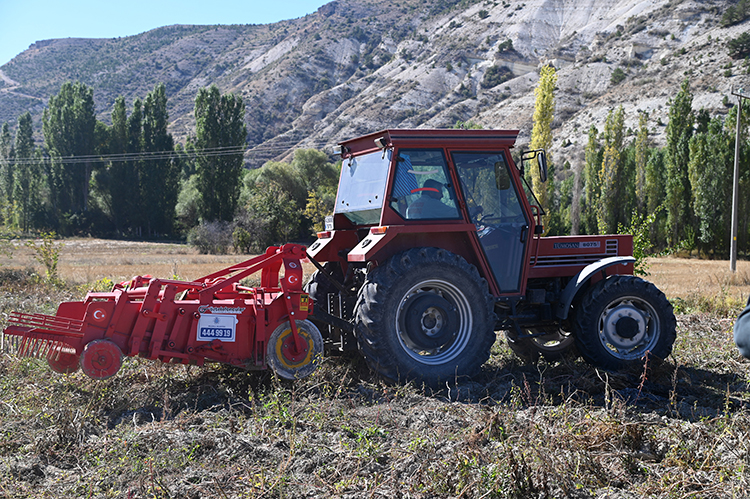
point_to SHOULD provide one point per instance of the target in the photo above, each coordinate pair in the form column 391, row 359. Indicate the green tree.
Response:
column 123, row 191
column 591, row 184
column 641, row 157
column 541, row 133
column 655, row 195
column 7, row 173
column 160, row 173
column 68, row 124
column 28, row 178
column 710, row 171
column 219, row 124
column 739, row 47
column 611, row 175
column 678, row 196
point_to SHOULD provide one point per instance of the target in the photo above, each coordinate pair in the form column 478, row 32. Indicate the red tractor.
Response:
column 436, row 242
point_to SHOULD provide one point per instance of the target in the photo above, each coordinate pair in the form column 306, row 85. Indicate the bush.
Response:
column 618, row 75
column 495, row 75
column 739, row 47
column 211, row 237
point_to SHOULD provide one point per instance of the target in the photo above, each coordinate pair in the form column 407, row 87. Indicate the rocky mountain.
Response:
column 356, row 66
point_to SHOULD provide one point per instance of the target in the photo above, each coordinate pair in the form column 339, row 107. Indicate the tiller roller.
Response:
column 212, row 319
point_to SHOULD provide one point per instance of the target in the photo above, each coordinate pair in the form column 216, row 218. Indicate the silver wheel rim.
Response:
column 432, row 321
column 552, row 342
column 628, row 327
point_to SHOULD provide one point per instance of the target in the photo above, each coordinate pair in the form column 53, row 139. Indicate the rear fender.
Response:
column 580, row 280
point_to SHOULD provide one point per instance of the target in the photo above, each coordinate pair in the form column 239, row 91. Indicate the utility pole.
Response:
column 735, row 190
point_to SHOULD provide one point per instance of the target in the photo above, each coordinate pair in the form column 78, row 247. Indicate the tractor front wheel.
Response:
column 623, row 320
column 425, row 315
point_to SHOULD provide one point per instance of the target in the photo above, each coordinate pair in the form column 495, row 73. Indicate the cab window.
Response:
column 421, row 186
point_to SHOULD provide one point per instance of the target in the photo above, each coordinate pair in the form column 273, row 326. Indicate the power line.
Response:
column 280, row 146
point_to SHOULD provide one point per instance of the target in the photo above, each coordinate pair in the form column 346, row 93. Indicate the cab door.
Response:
column 495, row 207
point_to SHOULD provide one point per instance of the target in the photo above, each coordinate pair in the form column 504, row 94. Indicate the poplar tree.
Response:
column 220, row 123
column 7, row 176
column 68, row 125
column 591, row 186
column 611, row 178
column 678, row 196
column 641, row 157
column 159, row 177
column 27, row 178
column 541, row 133
column 711, row 186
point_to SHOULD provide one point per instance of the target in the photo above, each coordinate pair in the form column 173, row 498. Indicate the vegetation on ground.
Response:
column 552, row 430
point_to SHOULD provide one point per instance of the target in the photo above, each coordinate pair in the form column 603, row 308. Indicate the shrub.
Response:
column 483, row 14
column 618, row 75
column 211, row 237
column 505, row 46
column 739, row 47
column 495, row 75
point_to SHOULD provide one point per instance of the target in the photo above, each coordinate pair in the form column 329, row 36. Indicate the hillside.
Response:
column 356, row 66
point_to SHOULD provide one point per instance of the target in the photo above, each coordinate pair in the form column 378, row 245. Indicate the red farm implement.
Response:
column 213, row 318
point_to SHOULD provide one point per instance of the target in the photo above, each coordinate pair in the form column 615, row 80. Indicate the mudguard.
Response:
column 742, row 332
column 582, row 277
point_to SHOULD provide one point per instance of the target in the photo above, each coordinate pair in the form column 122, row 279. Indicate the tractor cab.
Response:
column 459, row 188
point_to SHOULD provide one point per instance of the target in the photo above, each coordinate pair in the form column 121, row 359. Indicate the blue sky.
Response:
column 23, row 22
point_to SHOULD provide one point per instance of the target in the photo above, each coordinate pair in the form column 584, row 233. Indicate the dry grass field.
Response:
column 679, row 430
column 84, row 261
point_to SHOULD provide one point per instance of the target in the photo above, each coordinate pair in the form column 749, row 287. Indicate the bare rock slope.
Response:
column 356, row 66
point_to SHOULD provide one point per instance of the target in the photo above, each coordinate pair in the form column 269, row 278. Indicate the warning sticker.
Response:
column 217, row 327
column 303, row 303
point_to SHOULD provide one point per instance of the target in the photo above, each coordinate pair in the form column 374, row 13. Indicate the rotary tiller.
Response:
column 213, row 319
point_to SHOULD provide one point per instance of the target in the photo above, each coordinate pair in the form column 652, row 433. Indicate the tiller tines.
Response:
column 213, row 318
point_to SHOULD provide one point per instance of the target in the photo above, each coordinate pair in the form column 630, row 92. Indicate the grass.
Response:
column 552, row 430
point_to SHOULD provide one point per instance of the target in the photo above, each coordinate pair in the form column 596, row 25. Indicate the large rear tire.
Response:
column 426, row 316
column 622, row 320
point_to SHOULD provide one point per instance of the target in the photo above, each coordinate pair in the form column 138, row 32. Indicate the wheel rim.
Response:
column 552, row 342
column 281, row 356
column 434, row 322
column 629, row 327
column 101, row 359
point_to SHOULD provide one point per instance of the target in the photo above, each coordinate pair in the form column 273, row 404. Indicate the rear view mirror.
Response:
column 541, row 158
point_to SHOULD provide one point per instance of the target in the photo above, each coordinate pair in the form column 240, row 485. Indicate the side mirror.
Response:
column 541, row 158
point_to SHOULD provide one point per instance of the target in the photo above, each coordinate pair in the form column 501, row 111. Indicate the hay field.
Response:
column 85, row 260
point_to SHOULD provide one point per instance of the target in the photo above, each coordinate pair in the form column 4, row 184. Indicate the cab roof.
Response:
column 456, row 139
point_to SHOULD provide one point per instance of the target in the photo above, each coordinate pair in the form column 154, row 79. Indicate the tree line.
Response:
column 130, row 179
column 684, row 187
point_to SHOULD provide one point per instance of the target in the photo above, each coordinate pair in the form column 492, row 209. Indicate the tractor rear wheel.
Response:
column 425, row 315
column 623, row 320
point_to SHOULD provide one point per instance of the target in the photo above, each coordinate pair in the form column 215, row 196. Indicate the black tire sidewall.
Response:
column 381, row 295
column 597, row 299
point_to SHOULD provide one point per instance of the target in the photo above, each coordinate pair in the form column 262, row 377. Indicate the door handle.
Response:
column 524, row 230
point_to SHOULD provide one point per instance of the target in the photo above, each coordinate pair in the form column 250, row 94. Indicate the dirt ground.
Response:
column 678, row 429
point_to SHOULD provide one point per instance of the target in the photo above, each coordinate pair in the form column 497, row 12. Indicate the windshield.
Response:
column 362, row 187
